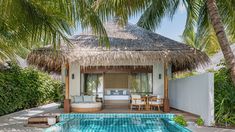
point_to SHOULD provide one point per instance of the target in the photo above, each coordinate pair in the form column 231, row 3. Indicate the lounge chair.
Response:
column 137, row 101
column 40, row 121
column 156, row 102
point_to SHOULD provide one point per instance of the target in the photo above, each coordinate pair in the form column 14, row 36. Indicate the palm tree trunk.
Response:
column 221, row 36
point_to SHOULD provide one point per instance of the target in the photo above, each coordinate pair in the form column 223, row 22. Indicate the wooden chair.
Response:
column 156, row 102
column 137, row 101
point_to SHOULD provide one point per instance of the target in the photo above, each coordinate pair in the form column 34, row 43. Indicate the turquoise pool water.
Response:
column 116, row 123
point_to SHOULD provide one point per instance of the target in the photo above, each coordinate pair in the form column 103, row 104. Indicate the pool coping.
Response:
column 64, row 118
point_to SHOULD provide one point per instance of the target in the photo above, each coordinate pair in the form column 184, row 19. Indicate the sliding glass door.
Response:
column 140, row 83
column 93, row 84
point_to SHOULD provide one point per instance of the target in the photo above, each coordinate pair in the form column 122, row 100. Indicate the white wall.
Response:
column 74, row 84
column 158, row 84
column 195, row 95
column 63, row 74
column 82, row 83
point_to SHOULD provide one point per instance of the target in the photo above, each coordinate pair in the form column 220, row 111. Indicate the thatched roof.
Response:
column 129, row 45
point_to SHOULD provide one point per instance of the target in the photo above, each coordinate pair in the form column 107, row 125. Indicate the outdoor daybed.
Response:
column 85, row 104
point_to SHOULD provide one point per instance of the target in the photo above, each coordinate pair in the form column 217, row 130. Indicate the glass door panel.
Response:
column 93, row 84
column 140, row 83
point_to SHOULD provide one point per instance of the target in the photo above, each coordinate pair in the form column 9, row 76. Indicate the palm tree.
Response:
column 210, row 17
column 219, row 29
column 208, row 43
column 205, row 15
column 26, row 24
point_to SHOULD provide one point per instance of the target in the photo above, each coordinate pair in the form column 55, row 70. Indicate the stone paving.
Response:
column 15, row 122
column 209, row 129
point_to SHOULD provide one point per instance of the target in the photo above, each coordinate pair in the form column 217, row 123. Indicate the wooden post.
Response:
column 66, row 100
column 166, row 99
column 103, row 101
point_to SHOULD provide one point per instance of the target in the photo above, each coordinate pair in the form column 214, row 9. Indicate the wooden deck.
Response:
column 188, row 116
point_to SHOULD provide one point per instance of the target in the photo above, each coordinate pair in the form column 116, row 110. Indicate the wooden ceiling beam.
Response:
column 117, row 69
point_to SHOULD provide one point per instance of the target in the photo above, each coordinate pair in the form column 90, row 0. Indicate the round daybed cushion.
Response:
column 86, row 107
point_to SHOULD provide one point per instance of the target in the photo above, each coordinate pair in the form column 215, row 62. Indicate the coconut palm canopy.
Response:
column 129, row 45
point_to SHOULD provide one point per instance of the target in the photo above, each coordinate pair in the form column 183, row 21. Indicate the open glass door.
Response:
column 93, row 85
column 140, row 83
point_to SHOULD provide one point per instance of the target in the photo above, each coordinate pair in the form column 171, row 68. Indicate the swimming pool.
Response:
column 116, row 123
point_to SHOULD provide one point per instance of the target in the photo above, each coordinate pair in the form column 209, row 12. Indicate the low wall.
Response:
column 195, row 95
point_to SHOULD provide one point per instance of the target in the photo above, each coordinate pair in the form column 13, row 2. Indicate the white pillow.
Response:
column 78, row 99
column 108, row 92
column 88, row 99
column 93, row 98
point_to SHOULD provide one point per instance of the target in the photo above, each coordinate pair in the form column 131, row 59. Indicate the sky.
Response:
column 171, row 28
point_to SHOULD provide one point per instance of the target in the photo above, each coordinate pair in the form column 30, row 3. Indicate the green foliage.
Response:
column 200, row 122
column 198, row 31
column 184, row 74
column 208, row 43
column 26, row 88
column 27, row 24
column 180, row 120
column 224, row 98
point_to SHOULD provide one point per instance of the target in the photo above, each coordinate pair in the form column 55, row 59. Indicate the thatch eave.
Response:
column 52, row 61
column 130, row 45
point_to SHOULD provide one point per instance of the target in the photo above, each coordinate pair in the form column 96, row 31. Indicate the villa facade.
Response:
column 137, row 61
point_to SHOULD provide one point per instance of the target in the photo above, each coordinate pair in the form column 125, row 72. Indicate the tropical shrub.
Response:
column 180, row 120
column 184, row 74
column 200, row 121
column 224, row 95
column 26, row 88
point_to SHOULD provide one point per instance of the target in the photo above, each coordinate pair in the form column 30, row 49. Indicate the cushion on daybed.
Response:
column 78, row 99
column 83, row 99
column 89, row 99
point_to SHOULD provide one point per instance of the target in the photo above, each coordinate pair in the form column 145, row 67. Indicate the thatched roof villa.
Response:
column 138, row 61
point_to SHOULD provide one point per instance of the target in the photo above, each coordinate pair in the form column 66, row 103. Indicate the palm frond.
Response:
column 198, row 24
column 192, row 8
column 26, row 24
column 227, row 8
column 123, row 9
column 89, row 18
column 156, row 11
